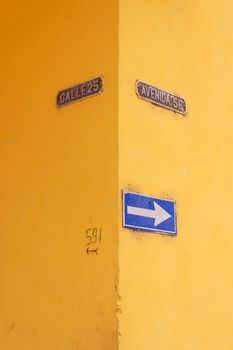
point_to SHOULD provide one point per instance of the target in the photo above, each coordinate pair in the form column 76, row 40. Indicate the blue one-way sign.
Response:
column 145, row 213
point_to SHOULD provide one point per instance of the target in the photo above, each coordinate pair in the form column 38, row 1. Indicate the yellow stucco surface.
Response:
column 58, row 178
column 63, row 171
column 177, row 292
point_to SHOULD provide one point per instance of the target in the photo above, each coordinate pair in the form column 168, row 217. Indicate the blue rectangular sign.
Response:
column 145, row 213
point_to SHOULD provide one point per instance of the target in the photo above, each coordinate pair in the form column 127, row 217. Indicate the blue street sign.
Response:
column 146, row 213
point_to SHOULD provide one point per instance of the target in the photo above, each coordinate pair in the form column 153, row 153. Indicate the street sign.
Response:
column 80, row 92
column 160, row 97
column 146, row 213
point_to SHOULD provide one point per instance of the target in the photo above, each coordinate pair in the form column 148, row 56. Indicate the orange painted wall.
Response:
column 58, row 176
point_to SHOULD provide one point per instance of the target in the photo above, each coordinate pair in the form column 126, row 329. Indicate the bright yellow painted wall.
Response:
column 58, row 176
column 177, row 292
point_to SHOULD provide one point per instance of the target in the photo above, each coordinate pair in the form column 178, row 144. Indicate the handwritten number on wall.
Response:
column 93, row 237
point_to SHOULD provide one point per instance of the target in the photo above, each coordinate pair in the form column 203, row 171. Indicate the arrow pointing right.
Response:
column 158, row 213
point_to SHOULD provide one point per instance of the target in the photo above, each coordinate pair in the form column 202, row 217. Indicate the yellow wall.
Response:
column 177, row 292
column 58, row 176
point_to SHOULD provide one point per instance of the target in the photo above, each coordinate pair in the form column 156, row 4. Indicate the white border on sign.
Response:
column 172, row 233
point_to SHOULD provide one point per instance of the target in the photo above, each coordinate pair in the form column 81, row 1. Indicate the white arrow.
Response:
column 158, row 213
